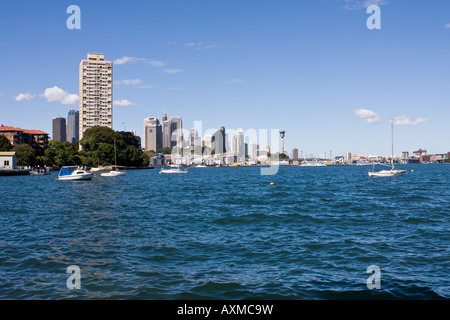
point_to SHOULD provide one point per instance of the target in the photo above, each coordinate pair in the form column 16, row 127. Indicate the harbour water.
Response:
column 226, row 233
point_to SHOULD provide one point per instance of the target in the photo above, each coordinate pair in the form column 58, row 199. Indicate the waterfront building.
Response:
column 95, row 83
column 153, row 134
column 172, row 132
column 420, row 153
column 348, row 157
column 73, row 126
column 8, row 160
column 59, row 129
column 37, row 139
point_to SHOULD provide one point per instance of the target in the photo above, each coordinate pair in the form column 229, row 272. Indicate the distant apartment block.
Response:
column 72, row 126
column 95, row 83
column 59, row 129
column 37, row 139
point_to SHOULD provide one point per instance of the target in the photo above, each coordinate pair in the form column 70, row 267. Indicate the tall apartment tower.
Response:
column 153, row 135
column 73, row 126
column 59, row 129
column 95, row 92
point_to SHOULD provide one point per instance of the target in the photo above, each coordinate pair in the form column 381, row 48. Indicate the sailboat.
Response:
column 393, row 172
column 114, row 173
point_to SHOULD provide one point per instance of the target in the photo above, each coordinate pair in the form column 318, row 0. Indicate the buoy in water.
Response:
column 272, row 184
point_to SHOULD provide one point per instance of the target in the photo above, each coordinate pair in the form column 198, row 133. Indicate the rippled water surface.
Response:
column 225, row 233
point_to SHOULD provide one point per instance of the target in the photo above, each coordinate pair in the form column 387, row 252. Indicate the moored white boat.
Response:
column 387, row 173
column 74, row 173
column 113, row 173
column 173, row 171
column 313, row 164
column 392, row 172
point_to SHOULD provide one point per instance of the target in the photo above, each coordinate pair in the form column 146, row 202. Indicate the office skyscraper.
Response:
column 73, row 126
column 95, row 92
column 218, row 141
column 153, row 135
column 173, row 135
column 59, row 129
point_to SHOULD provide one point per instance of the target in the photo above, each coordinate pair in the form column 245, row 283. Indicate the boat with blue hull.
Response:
column 74, row 173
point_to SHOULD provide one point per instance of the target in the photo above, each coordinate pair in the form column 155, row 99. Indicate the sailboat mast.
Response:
column 392, row 143
column 115, row 153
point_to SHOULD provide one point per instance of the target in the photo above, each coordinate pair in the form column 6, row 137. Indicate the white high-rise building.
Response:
column 95, row 92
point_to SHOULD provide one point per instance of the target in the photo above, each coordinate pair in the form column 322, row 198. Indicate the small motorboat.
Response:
column 173, row 171
column 74, row 173
column 113, row 173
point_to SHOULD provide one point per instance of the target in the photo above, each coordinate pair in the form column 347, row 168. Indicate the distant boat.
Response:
column 313, row 164
column 173, row 171
column 114, row 173
column 40, row 171
column 74, row 173
column 392, row 172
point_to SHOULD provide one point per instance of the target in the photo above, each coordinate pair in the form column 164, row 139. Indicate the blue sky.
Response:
column 309, row 67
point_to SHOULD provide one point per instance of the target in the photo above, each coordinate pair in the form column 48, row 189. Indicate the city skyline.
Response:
column 312, row 68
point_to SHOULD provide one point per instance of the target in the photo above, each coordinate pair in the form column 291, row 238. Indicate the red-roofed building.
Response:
column 35, row 138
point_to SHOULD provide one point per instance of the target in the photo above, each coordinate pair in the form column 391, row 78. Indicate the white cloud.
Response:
column 368, row 115
column 173, row 70
column 24, row 96
column 148, row 87
column 200, row 45
column 152, row 62
column 124, row 103
column 233, row 81
column 56, row 94
column 128, row 82
column 404, row 120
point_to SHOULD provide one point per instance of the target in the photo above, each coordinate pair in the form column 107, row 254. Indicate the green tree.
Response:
column 5, row 145
column 25, row 155
column 98, row 148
